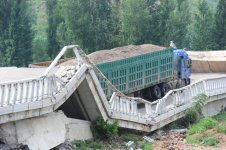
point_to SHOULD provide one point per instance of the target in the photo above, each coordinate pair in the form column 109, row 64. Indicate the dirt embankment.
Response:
column 208, row 61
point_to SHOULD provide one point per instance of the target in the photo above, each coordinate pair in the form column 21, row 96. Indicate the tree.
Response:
column 16, row 34
column 115, row 36
column 201, row 30
column 159, row 20
column 220, row 18
column 134, row 18
column 37, row 9
column 178, row 23
column 53, row 22
column 86, row 23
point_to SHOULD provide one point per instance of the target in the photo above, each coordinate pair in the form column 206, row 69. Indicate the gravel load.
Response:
column 119, row 53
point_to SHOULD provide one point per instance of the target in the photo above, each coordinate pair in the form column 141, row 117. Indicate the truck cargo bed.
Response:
column 138, row 72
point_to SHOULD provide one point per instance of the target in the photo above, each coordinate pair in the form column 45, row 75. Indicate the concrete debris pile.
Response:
column 174, row 140
column 66, row 72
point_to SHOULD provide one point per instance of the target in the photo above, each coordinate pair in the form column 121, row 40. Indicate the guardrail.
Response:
column 41, row 88
column 172, row 100
column 29, row 90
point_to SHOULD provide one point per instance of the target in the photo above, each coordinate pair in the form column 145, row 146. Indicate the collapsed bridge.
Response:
column 75, row 91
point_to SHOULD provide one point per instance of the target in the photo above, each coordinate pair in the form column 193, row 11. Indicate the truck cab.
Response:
column 182, row 66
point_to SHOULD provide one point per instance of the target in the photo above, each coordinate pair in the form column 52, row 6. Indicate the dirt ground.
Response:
column 177, row 142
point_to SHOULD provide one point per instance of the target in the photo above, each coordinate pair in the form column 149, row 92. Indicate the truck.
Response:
column 146, row 74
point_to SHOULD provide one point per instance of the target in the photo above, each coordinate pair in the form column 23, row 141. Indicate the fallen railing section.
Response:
column 39, row 92
column 172, row 103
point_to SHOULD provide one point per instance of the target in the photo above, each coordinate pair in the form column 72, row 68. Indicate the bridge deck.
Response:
column 14, row 73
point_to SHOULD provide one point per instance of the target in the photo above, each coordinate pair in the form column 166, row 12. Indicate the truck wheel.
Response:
column 156, row 92
column 164, row 87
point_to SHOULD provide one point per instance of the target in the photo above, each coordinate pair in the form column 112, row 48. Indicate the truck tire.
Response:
column 164, row 87
column 147, row 94
column 156, row 92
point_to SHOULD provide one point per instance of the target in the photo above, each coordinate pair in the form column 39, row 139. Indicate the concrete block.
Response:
column 42, row 133
column 79, row 130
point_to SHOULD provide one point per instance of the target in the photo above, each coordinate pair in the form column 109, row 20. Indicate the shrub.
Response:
column 104, row 130
column 194, row 113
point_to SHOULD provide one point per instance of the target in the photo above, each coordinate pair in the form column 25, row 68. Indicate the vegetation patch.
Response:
column 220, row 117
column 207, row 130
column 87, row 145
column 103, row 129
column 209, row 140
column 202, row 125
column 194, row 113
column 130, row 137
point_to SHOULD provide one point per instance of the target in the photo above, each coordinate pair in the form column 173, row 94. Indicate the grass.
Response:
column 202, row 125
column 147, row 146
column 209, row 140
column 197, row 139
column 197, row 134
column 220, row 117
column 83, row 145
column 130, row 137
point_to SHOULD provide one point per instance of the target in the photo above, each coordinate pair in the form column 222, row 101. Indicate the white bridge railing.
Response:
column 171, row 101
column 30, row 90
column 41, row 88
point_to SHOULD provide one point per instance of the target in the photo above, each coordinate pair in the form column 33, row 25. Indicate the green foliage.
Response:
column 220, row 128
column 147, row 146
column 85, row 23
column 220, row 31
column 104, row 130
column 160, row 21
column 15, row 33
column 199, row 140
column 209, row 140
column 179, row 20
column 53, row 22
column 83, row 145
column 129, row 137
column 35, row 30
column 194, row 113
column 191, row 115
column 134, row 19
column 202, row 125
column 201, row 35
column 194, row 140
column 220, row 117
